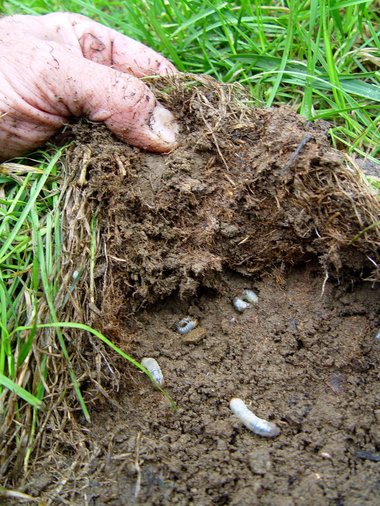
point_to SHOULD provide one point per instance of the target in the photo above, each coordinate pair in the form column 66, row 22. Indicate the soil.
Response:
column 252, row 198
column 307, row 360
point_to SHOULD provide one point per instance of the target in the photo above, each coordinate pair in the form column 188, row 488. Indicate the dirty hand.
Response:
column 60, row 65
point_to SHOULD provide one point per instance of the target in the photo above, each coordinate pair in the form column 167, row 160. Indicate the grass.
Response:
column 27, row 233
column 320, row 57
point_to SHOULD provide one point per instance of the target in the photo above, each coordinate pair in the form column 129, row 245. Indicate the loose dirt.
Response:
column 306, row 360
column 252, row 198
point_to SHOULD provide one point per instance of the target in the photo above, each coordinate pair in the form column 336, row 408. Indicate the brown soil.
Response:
column 247, row 189
column 305, row 360
column 252, row 198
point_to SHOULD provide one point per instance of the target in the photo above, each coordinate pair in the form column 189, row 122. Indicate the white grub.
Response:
column 152, row 366
column 252, row 422
column 377, row 335
column 185, row 325
column 240, row 304
column 250, row 296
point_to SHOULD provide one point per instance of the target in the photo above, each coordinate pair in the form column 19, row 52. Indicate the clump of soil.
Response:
column 247, row 189
column 251, row 198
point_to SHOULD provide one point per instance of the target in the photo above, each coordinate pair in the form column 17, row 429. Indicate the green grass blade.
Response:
column 21, row 392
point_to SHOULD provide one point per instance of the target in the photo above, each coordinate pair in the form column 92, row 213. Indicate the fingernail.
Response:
column 163, row 125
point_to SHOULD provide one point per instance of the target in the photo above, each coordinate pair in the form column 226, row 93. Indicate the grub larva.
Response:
column 186, row 324
column 252, row 422
column 152, row 366
column 250, row 296
column 240, row 304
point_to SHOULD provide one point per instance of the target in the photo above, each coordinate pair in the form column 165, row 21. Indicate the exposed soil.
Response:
column 251, row 198
column 307, row 361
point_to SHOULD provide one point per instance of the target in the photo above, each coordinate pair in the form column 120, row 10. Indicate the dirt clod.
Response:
column 247, row 189
column 194, row 336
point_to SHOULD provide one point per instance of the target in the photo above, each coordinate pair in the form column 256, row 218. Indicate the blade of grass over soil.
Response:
column 105, row 340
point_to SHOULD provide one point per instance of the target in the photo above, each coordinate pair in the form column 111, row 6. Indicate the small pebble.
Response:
column 259, row 461
column 374, row 457
column 194, row 336
column 336, row 383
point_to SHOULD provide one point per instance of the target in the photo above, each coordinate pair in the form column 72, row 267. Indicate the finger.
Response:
column 104, row 45
column 127, row 55
column 123, row 102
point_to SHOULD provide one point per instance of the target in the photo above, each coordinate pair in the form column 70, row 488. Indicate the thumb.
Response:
column 123, row 102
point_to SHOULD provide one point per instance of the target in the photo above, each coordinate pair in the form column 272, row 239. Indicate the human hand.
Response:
column 60, row 65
